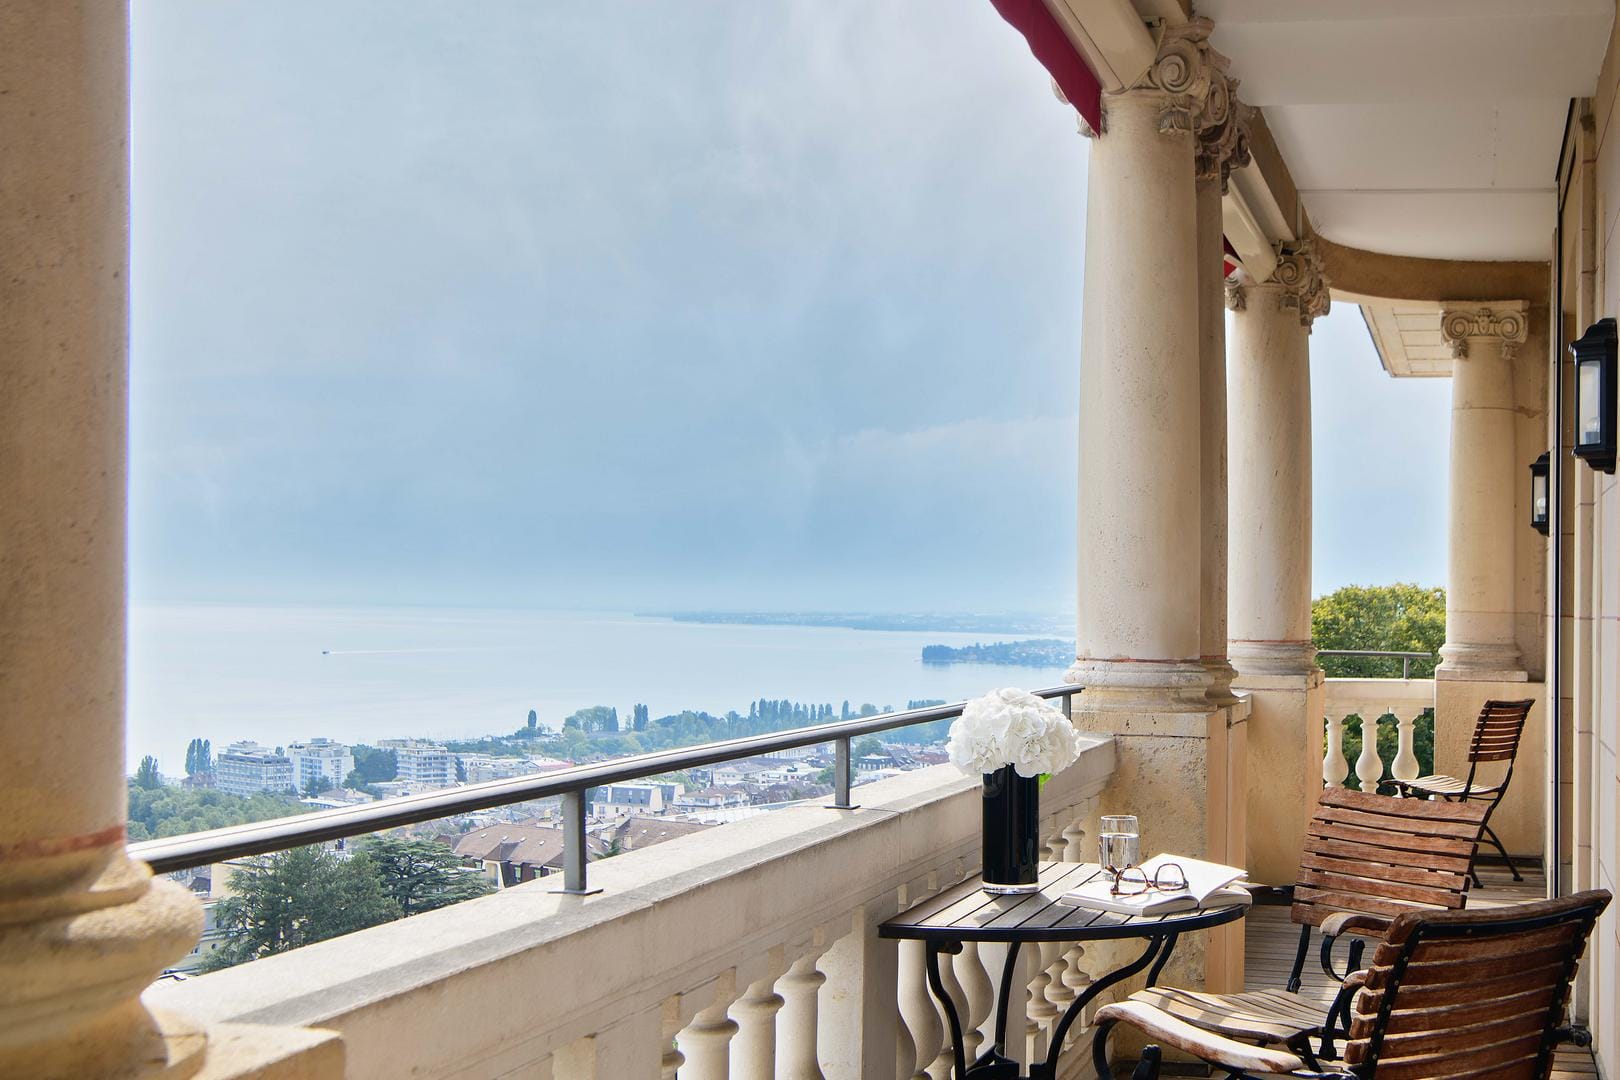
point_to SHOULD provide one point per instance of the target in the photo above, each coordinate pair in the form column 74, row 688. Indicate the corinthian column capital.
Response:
column 1189, row 79
column 1299, row 273
column 1503, row 321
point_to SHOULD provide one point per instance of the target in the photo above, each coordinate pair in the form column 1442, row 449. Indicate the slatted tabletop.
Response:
column 965, row 912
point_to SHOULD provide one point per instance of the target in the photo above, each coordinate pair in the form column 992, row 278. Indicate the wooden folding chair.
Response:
column 1367, row 859
column 1476, row 994
column 1496, row 738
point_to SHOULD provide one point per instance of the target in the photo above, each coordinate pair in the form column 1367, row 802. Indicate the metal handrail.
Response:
column 279, row 834
column 1405, row 658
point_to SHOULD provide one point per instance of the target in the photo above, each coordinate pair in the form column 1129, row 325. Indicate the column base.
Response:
column 1272, row 657
column 1467, row 662
column 1221, row 676
column 1141, row 686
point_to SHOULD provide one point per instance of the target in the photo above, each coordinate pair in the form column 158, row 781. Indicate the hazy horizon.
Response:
column 768, row 307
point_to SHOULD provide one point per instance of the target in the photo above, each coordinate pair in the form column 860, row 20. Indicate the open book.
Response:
column 1208, row 885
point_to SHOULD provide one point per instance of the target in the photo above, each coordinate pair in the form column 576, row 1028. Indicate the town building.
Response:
column 512, row 854
column 617, row 800
column 321, row 762
column 423, row 766
column 246, row 768
column 481, row 767
column 711, row 798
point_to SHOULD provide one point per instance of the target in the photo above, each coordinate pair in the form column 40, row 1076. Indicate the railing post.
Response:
column 843, row 770
column 1334, row 767
column 574, row 853
column 1369, row 766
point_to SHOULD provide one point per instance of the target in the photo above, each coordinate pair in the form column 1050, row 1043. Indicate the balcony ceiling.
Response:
column 1427, row 129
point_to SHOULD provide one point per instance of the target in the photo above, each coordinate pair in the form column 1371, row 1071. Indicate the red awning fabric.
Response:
column 1052, row 48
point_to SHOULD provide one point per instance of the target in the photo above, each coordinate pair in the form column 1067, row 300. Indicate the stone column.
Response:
column 83, row 930
column 1222, row 148
column 1269, row 412
column 1142, row 538
column 1140, row 549
column 1485, row 476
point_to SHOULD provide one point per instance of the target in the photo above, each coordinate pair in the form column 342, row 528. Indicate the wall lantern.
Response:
column 1538, row 493
column 1594, row 395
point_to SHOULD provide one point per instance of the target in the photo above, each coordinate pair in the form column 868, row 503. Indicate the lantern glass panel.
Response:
column 1588, row 403
column 1538, row 498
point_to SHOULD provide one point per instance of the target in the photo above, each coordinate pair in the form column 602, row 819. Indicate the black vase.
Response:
column 1012, row 816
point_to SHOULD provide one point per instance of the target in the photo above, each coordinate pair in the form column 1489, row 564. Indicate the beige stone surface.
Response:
column 1285, row 769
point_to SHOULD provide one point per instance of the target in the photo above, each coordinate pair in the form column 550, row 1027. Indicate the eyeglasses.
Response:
column 1133, row 880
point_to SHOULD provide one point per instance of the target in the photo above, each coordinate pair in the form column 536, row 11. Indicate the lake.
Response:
column 282, row 674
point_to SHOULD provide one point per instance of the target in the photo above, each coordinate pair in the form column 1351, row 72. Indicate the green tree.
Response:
column 199, row 757
column 1391, row 618
column 375, row 765
column 316, row 786
column 297, row 897
column 420, row 875
column 172, row 811
column 534, row 720
column 147, row 775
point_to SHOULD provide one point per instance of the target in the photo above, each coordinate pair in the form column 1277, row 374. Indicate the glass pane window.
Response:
column 1589, row 423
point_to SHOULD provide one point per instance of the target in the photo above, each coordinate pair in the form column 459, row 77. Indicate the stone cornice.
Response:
column 1460, row 323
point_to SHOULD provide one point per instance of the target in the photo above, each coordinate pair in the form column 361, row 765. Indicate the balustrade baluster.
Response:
column 796, row 1024
column 918, row 1011
column 945, row 1061
column 1334, row 766
column 672, row 1059
column 1405, row 766
column 1369, row 766
column 979, row 993
column 706, row 1041
column 753, row 1051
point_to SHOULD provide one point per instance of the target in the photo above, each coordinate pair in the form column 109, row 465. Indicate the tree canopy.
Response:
column 1393, row 618
column 172, row 811
column 297, row 897
column 146, row 775
column 420, row 875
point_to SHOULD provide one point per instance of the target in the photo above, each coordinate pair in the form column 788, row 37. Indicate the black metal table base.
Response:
column 994, row 1064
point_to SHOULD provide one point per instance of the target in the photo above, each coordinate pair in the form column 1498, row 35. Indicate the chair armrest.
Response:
column 1166, row 1029
column 1352, row 922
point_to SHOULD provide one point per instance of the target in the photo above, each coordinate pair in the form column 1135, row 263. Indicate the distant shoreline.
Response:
column 942, row 622
column 1038, row 652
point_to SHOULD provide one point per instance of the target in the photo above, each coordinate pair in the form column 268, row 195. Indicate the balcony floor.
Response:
column 1271, row 940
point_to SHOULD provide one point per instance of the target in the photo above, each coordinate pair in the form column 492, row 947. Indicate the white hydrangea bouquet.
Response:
column 1012, row 727
column 1015, row 741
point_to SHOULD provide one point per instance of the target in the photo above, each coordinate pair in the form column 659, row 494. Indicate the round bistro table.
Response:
column 966, row 912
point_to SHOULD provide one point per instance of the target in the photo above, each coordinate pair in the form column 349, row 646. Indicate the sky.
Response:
column 638, row 306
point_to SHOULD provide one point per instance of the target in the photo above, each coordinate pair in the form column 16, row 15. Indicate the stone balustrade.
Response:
column 1375, row 701
column 749, row 951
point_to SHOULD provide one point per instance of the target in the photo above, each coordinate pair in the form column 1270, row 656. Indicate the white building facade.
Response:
column 246, row 768
column 320, row 760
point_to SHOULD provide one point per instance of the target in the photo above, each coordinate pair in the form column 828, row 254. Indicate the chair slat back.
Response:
column 1497, row 731
column 1379, row 855
column 1470, row 993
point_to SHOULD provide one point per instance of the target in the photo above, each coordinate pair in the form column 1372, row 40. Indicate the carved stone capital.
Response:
column 1461, row 323
column 1299, row 272
column 1236, row 299
column 1223, row 140
column 1190, row 79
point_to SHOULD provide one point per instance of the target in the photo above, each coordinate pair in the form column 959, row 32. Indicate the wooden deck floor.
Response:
column 1271, row 941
